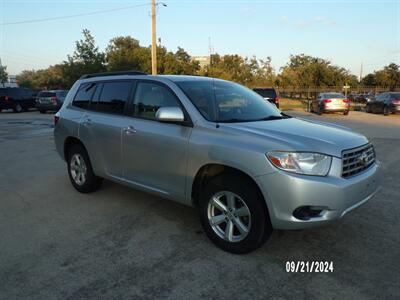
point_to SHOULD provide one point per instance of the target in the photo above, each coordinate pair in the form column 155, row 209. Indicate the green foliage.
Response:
column 125, row 53
column 244, row 70
column 50, row 78
column 307, row 71
column 86, row 59
column 3, row 74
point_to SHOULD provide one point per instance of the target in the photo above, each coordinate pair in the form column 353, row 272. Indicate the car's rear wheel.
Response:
column 386, row 111
column 18, row 108
column 346, row 112
column 368, row 109
column 42, row 111
column 320, row 110
column 80, row 170
column 233, row 214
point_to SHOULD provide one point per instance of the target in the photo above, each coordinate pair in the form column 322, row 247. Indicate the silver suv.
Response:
column 215, row 145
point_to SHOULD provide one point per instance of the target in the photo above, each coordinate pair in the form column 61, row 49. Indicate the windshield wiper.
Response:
column 233, row 120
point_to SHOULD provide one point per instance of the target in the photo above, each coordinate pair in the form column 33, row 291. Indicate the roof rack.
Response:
column 112, row 74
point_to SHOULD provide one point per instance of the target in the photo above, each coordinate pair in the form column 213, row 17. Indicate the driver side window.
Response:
column 149, row 97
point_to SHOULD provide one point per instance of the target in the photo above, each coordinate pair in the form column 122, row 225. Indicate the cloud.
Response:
column 284, row 19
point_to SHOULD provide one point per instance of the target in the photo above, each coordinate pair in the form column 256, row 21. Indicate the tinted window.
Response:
column 113, row 97
column 46, row 94
column 62, row 94
column 267, row 93
column 149, row 97
column 84, row 94
column 395, row 96
column 381, row 97
column 223, row 101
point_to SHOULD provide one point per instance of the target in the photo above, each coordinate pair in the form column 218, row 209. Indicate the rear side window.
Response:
column 113, row 97
column 84, row 94
column 149, row 97
column 266, row 93
column 395, row 96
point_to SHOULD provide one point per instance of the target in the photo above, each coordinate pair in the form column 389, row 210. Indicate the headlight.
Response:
column 301, row 162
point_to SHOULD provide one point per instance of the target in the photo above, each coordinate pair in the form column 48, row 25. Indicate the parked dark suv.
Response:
column 268, row 94
column 385, row 103
column 17, row 99
column 50, row 100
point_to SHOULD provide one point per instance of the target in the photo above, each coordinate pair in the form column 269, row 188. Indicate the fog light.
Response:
column 306, row 213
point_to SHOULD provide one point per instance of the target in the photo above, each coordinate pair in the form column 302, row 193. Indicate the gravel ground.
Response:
column 121, row 243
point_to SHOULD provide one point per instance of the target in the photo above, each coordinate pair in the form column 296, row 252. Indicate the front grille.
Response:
column 356, row 160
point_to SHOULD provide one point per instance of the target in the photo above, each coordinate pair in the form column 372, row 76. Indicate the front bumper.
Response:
column 333, row 195
column 48, row 106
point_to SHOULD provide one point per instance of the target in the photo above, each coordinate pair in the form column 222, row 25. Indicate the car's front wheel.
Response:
column 234, row 215
column 80, row 170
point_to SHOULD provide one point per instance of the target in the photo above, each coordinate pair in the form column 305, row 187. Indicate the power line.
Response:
column 73, row 16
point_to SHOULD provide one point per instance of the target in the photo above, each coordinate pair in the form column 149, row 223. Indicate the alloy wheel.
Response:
column 78, row 169
column 229, row 216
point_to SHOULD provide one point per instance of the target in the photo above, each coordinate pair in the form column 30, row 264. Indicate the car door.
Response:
column 155, row 153
column 374, row 103
column 102, row 123
column 380, row 103
column 317, row 101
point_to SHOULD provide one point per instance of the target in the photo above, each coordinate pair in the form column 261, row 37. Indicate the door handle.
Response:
column 129, row 130
column 87, row 122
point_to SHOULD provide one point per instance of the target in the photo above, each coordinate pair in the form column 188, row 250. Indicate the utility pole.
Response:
column 153, row 39
column 361, row 72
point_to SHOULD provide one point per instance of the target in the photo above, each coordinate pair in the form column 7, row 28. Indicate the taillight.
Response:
column 327, row 100
column 56, row 118
column 6, row 98
column 346, row 100
column 397, row 101
column 276, row 100
column 54, row 100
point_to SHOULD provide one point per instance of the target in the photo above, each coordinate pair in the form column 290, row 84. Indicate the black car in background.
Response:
column 50, row 100
column 386, row 103
column 17, row 99
column 268, row 94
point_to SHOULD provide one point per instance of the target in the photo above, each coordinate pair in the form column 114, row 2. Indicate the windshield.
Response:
column 334, row 95
column 224, row 101
column 46, row 94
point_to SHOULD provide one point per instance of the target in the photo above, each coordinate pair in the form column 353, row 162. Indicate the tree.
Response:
column 369, row 80
column 389, row 76
column 86, row 59
column 307, row 71
column 3, row 74
column 125, row 53
column 50, row 78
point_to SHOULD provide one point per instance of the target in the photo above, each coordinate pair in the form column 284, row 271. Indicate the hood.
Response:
column 300, row 135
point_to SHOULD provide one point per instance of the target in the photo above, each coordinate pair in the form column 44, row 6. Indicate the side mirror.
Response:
column 170, row 114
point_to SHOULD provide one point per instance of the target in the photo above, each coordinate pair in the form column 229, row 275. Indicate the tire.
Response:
column 368, row 109
column 346, row 112
column 18, row 108
column 247, row 202
column 386, row 111
column 320, row 110
column 88, row 182
column 42, row 111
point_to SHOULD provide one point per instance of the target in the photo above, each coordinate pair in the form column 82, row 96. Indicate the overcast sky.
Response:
column 347, row 33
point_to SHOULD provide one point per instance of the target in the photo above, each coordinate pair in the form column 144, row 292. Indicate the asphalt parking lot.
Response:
column 122, row 243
